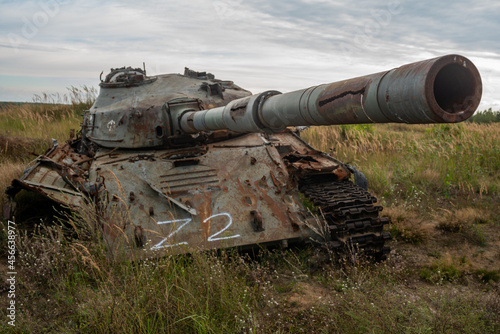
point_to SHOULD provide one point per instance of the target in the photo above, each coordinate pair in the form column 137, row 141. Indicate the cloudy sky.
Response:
column 49, row 45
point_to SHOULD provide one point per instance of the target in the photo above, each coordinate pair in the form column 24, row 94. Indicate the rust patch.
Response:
column 276, row 183
column 276, row 210
column 139, row 236
column 249, row 200
column 274, row 155
column 257, row 222
column 294, row 219
column 238, row 110
column 202, row 202
column 340, row 102
column 262, row 183
column 341, row 173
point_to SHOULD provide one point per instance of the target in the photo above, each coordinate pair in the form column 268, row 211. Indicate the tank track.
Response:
column 353, row 219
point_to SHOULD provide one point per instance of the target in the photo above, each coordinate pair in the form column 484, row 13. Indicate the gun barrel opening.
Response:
column 454, row 88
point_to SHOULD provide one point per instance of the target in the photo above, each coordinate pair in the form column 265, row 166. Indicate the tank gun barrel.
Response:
column 445, row 89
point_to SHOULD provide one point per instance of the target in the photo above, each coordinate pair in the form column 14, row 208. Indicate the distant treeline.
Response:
column 485, row 116
column 7, row 105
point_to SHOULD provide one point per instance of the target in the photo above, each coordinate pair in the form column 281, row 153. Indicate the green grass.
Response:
column 70, row 285
column 409, row 164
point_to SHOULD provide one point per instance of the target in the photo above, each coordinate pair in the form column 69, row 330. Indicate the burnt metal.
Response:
column 139, row 236
column 257, row 222
column 177, row 163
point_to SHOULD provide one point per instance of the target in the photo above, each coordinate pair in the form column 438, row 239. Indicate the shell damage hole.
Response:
column 248, row 200
column 159, row 131
column 454, row 88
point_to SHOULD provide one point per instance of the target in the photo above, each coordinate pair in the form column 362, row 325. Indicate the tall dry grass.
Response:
column 71, row 285
column 408, row 163
column 48, row 116
column 9, row 171
column 27, row 130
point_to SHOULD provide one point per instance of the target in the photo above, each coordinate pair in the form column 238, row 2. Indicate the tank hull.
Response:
column 243, row 192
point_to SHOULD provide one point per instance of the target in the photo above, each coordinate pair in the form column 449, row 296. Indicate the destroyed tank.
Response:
column 187, row 162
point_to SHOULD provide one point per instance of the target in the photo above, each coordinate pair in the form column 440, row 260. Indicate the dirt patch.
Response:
column 307, row 294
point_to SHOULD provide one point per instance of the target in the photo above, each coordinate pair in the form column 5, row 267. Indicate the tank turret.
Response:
column 135, row 111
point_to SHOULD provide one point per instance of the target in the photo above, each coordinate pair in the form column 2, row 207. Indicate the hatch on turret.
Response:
column 126, row 77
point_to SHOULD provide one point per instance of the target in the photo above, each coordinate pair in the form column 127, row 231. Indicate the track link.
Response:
column 351, row 214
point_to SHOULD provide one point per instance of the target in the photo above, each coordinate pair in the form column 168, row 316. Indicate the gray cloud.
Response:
column 282, row 45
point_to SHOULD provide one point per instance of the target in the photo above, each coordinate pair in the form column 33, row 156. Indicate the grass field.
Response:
column 439, row 184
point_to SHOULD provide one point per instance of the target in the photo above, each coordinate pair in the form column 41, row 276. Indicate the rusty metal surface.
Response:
column 56, row 175
column 209, row 201
column 240, row 193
